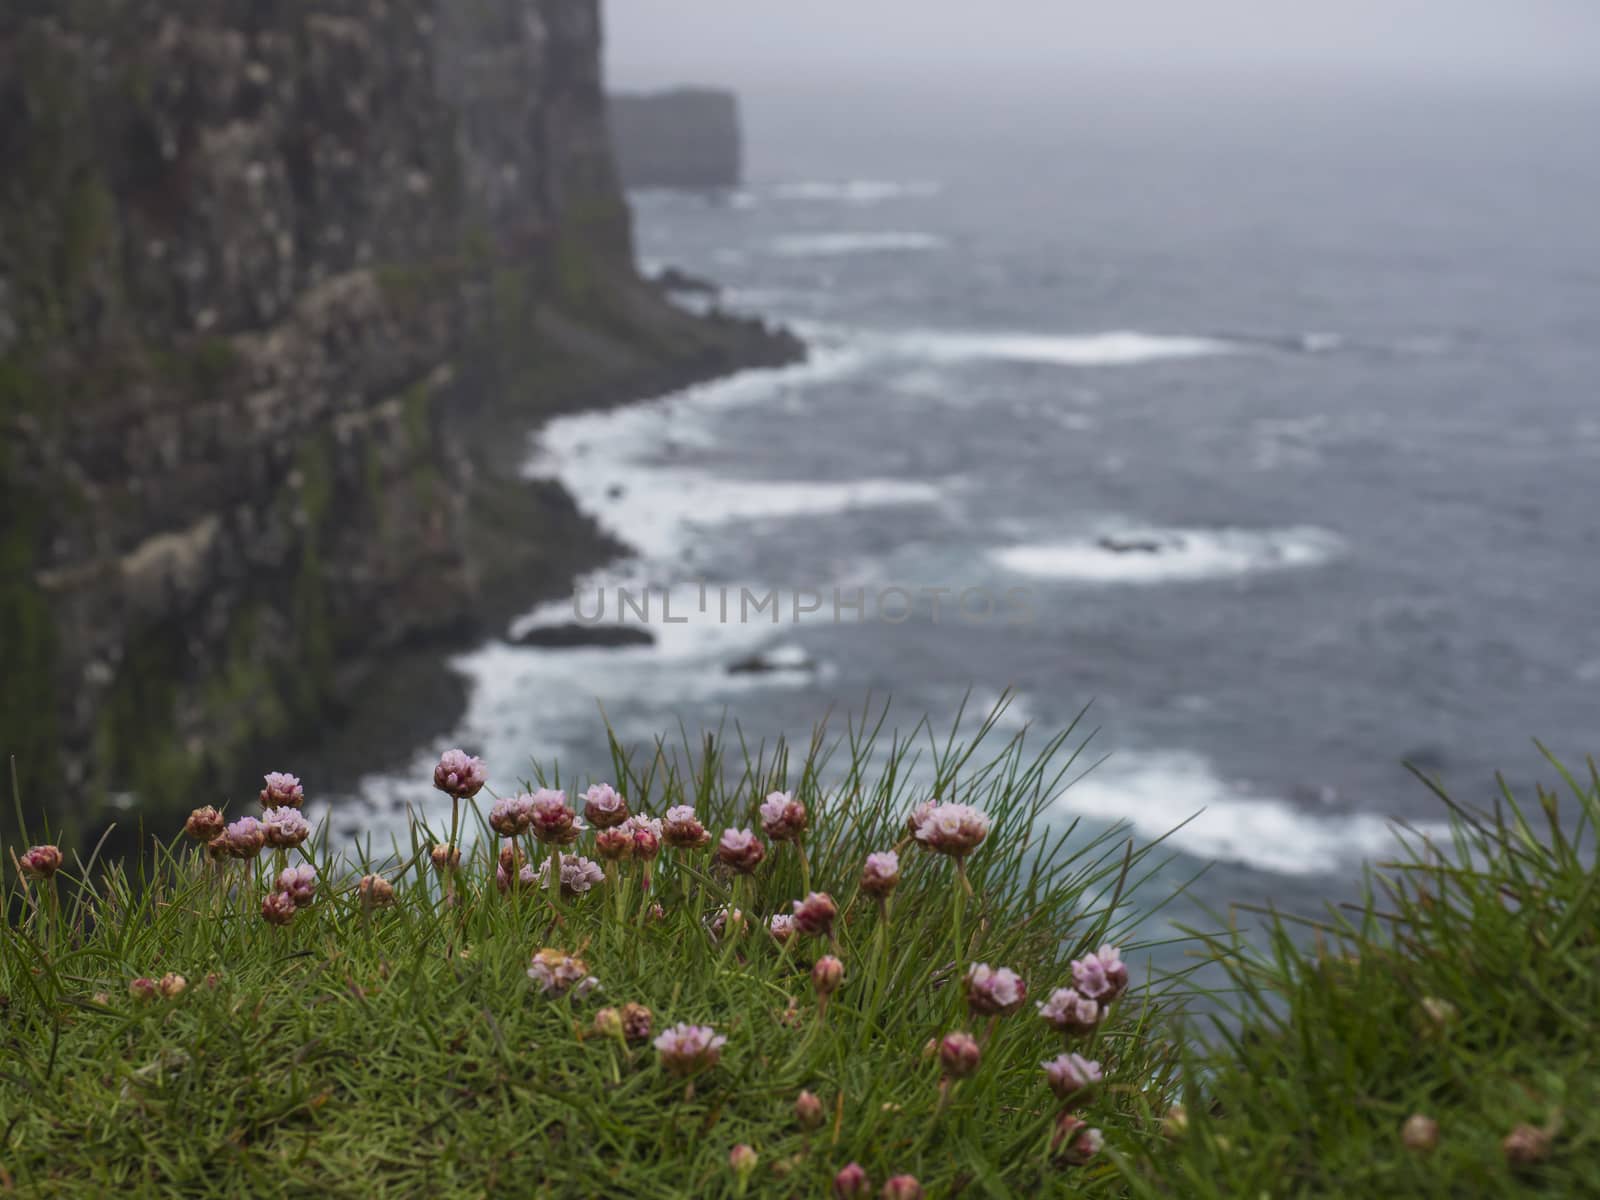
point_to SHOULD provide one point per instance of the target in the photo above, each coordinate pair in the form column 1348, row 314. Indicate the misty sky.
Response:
column 790, row 42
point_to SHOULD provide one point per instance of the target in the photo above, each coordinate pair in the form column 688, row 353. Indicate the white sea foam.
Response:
column 1115, row 348
column 857, row 191
column 834, row 245
column 1156, row 793
column 1150, row 556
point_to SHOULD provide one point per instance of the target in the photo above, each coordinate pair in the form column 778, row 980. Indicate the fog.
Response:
column 777, row 44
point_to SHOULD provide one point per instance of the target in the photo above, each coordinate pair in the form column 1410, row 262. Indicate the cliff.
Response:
column 282, row 284
column 685, row 138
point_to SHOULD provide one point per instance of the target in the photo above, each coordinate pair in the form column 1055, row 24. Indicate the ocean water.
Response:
column 1281, row 411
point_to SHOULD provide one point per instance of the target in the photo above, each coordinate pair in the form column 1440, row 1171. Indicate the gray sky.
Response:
column 787, row 42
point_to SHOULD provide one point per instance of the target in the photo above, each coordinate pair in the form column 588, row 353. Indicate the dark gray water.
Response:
column 1335, row 357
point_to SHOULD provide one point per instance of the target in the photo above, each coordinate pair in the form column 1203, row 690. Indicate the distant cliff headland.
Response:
column 282, row 286
column 684, row 138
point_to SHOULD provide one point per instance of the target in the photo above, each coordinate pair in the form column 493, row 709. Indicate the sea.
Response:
column 1260, row 422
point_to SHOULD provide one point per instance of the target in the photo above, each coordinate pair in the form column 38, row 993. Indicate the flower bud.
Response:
column 808, row 1110
column 902, row 1187
column 743, row 1159
column 851, row 1183
column 783, row 818
column 614, row 844
column 608, row 1022
column 827, row 975
column 1420, row 1133
column 636, row 1022
column 172, row 986
column 1073, row 1142
column 278, row 908
column 1072, row 1076
column 41, row 862
column 814, row 915
column 959, row 1055
column 143, row 989
column 445, row 857
column 1524, row 1146
column 881, row 875
column 375, row 891
column 459, row 775
column 204, row 824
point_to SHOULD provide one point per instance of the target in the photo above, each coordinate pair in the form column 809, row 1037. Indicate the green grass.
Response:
column 405, row 1051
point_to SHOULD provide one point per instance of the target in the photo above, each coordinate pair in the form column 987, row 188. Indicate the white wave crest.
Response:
column 1158, row 792
column 1150, row 556
column 835, row 245
column 1115, row 348
column 857, row 191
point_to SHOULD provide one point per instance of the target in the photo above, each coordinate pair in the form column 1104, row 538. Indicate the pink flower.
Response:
column 851, row 1183
column 279, row 908
column 959, row 1054
column 204, row 824
column 172, row 985
column 814, row 915
column 826, row 975
column 459, row 774
column 1069, row 1011
column 375, row 891
column 783, row 817
column 41, row 862
column 808, row 1112
column 299, row 884
column 604, row 806
column 1071, row 1075
column 881, row 875
column 688, row 1049
column 1101, row 976
column 781, row 927
column 143, row 989
column 741, row 850
column 284, row 827
column 647, row 832
column 1074, row 1142
column 445, row 857
column 614, row 844
column 683, row 829
column 553, row 820
column 742, row 1160
column 511, row 816
column 282, row 791
column 245, row 837
column 994, row 991
column 954, row 829
column 557, row 973
column 726, row 916
column 578, row 874
column 902, row 1187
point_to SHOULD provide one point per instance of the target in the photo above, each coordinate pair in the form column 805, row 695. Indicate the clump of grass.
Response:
column 1439, row 1039
column 477, row 1012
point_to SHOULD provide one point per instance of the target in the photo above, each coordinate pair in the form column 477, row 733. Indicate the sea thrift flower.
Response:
column 375, row 891
column 204, row 824
column 1101, row 976
column 959, row 1055
column 647, row 833
column 1069, row 1011
column 1074, row 1142
column 993, row 992
column 1524, row 1146
column 688, row 1049
column 459, row 775
column 954, row 829
column 814, row 915
column 511, row 858
column 781, row 927
column 881, row 874
column 217, row 848
column 245, row 837
column 578, row 874
column 1072, row 1076
column 284, row 827
column 742, row 1159
column 282, row 791
column 557, row 973
column 636, row 1022
column 826, row 975
column 683, row 830
column 172, row 986
column 143, row 989
column 851, row 1183
column 615, row 844
column 783, row 817
column 808, row 1110
column 902, row 1187
column 554, row 822
column 604, row 806
column 608, row 1022
column 657, row 913
column 300, row 883
column 279, row 908
column 41, row 862
column 1420, row 1133
column 511, row 816
column 445, row 857
column 741, row 850
column 725, row 917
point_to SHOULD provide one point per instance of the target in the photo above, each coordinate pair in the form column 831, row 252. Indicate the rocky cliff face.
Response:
column 684, row 138
column 272, row 272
